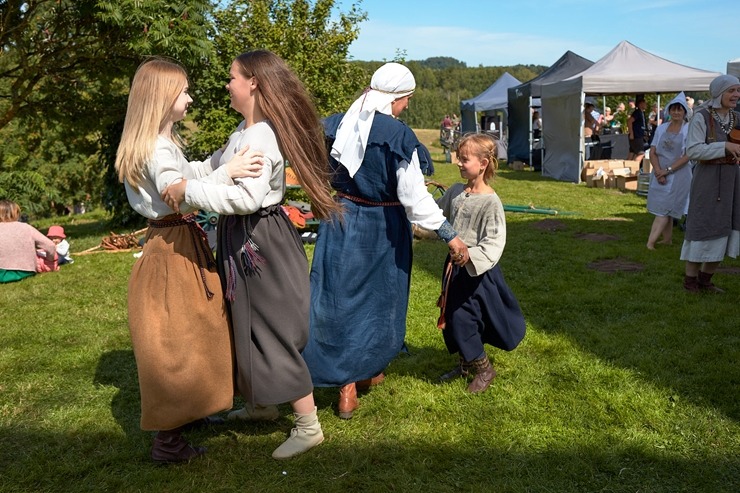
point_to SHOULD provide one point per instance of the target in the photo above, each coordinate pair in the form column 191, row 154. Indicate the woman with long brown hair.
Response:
column 263, row 266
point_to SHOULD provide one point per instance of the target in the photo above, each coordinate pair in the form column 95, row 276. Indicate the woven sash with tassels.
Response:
column 442, row 300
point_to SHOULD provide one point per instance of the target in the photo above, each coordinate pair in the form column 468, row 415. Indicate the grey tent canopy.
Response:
column 524, row 96
column 626, row 69
column 493, row 98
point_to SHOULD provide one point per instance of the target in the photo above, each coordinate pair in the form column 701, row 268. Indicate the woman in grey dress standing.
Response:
column 668, row 195
column 713, row 222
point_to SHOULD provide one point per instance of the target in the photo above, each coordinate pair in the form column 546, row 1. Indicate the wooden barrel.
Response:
column 643, row 184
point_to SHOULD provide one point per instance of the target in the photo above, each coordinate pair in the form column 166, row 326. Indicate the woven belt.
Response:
column 720, row 160
column 197, row 234
column 360, row 200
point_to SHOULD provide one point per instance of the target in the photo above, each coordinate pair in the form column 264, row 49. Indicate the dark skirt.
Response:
column 360, row 277
column 180, row 337
column 269, row 310
column 481, row 310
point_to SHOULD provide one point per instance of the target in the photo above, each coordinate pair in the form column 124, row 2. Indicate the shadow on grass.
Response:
column 642, row 321
column 39, row 461
column 118, row 368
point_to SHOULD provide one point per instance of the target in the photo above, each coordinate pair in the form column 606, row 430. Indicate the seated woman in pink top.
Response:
column 18, row 244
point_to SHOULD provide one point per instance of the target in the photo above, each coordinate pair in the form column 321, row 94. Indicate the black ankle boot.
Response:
column 461, row 370
column 171, row 448
column 705, row 283
column 691, row 284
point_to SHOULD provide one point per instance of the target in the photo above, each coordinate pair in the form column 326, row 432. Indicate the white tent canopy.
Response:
column 626, row 69
column 733, row 67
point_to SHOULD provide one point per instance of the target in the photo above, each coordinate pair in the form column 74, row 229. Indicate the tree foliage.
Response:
column 65, row 67
column 310, row 36
column 442, row 82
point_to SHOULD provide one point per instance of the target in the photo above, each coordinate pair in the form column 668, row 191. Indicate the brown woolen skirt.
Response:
column 181, row 338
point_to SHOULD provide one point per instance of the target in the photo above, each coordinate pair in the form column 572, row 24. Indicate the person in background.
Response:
column 654, row 119
column 477, row 306
column 176, row 313
column 608, row 117
column 536, row 125
column 591, row 125
column 591, row 130
column 690, row 104
column 56, row 234
column 262, row 262
column 18, row 245
column 668, row 193
column 637, row 129
column 620, row 118
column 713, row 220
column 361, row 267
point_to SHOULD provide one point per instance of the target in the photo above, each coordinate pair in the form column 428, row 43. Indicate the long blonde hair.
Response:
column 285, row 102
column 157, row 84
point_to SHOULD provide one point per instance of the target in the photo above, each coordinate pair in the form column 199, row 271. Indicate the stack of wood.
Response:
column 120, row 242
column 124, row 242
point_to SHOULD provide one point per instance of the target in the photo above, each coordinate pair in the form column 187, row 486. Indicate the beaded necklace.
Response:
column 726, row 127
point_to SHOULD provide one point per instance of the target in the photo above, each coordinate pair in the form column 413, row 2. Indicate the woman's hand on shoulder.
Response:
column 174, row 194
column 246, row 163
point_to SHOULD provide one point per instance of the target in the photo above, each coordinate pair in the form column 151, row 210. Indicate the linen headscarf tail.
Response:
column 389, row 82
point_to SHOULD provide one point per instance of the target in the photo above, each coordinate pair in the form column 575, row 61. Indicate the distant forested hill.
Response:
column 442, row 82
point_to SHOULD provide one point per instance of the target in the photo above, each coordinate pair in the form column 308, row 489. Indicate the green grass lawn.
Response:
column 624, row 382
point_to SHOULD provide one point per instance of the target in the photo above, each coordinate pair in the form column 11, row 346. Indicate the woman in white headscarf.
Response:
column 668, row 195
column 713, row 221
column 361, row 267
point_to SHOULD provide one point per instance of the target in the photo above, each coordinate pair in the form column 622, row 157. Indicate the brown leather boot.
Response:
column 171, row 448
column 705, row 283
column 691, row 284
column 370, row 382
column 484, row 374
column 461, row 370
column 348, row 401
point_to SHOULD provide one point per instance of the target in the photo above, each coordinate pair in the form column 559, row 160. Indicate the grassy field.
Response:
column 624, row 382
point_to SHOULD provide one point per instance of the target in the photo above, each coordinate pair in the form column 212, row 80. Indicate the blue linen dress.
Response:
column 361, row 269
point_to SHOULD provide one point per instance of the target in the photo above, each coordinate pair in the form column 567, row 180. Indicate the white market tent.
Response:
column 733, row 67
column 626, row 69
column 492, row 99
column 524, row 96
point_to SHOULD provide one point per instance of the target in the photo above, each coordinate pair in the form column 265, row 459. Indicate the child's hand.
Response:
column 174, row 194
column 245, row 164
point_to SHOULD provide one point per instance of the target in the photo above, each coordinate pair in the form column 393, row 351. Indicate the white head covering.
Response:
column 389, row 82
column 679, row 99
column 718, row 86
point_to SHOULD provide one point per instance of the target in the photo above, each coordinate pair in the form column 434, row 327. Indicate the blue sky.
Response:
column 700, row 34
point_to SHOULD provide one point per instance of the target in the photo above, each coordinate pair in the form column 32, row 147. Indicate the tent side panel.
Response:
column 561, row 130
column 519, row 124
